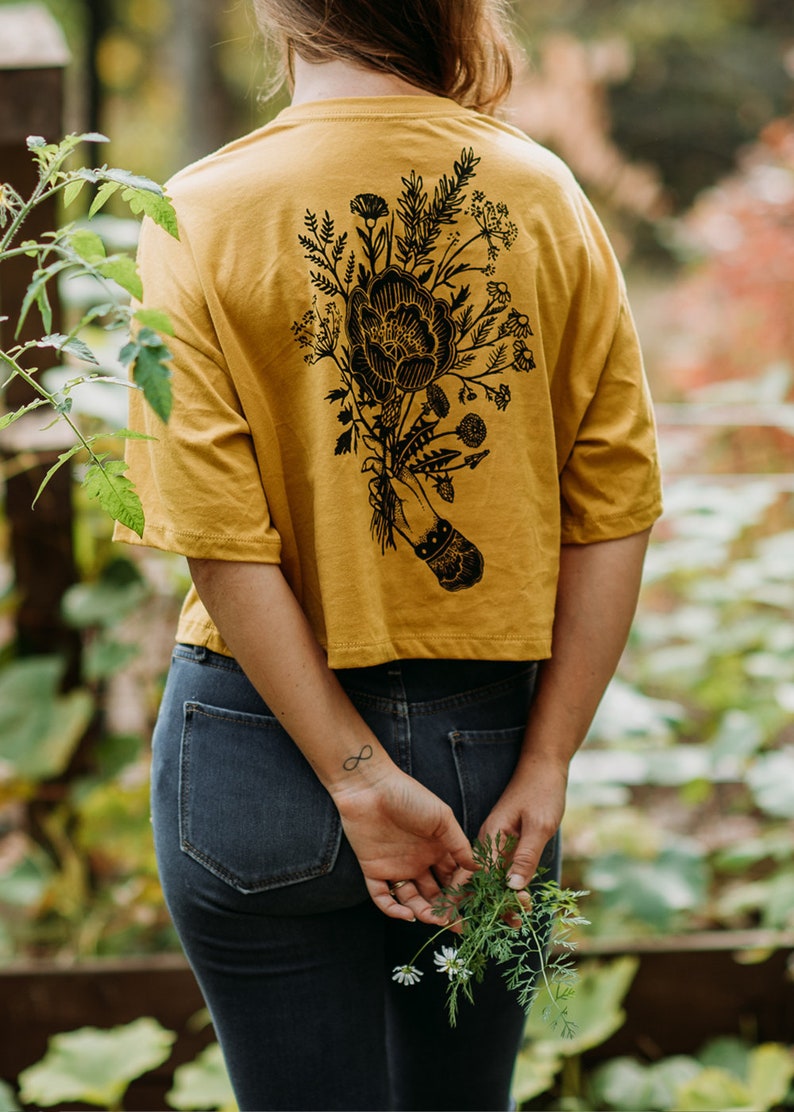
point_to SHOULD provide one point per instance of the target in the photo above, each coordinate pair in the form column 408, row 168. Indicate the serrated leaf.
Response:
column 135, row 182
column 149, row 356
column 70, row 344
column 155, row 205
column 9, row 418
column 63, row 458
column 122, row 269
column 72, row 191
column 156, row 319
column 105, row 481
column 94, row 1066
column 103, row 195
column 88, row 245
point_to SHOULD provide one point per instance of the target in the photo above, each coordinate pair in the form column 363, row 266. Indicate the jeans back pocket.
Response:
column 251, row 809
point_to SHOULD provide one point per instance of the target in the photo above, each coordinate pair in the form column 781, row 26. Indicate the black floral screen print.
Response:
column 420, row 359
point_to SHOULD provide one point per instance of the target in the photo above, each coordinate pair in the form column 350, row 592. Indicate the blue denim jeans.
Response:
column 293, row 959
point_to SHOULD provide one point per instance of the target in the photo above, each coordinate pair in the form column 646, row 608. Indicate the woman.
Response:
column 411, row 434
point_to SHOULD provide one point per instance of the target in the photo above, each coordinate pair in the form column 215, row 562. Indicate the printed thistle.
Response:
column 533, row 944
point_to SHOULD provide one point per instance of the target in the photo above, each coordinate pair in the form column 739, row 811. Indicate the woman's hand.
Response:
column 530, row 809
column 404, row 835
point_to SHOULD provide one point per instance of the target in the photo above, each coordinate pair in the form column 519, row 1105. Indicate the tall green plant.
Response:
column 76, row 250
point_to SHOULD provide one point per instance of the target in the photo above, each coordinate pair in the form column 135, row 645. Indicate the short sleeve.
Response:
column 198, row 478
column 609, row 475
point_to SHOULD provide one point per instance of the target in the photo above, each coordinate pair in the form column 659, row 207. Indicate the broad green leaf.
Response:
column 769, row 1075
column 122, row 269
column 203, row 1084
column 106, row 482
column 88, row 245
column 95, row 1066
column 726, row 1053
column 653, row 891
column 714, row 1090
column 595, row 1007
column 771, row 780
column 8, row 1102
column 536, row 1067
column 156, row 319
column 40, row 729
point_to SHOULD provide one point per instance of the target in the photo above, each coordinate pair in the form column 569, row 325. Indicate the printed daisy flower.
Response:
column 498, row 292
column 370, row 207
column 517, row 324
column 523, row 356
column 448, row 962
column 406, row 974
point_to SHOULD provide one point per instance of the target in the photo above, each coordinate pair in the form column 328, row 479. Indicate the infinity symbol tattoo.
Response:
column 352, row 763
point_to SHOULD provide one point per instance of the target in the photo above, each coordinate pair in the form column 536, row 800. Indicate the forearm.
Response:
column 261, row 621
column 398, row 829
column 596, row 600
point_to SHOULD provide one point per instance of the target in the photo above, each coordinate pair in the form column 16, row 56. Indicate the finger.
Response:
column 385, row 901
column 526, row 858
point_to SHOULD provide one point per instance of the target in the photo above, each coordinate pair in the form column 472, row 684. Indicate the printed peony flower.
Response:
column 401, row 337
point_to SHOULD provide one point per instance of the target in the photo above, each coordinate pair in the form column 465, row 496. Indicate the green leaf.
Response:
column 105, row 481
column 156, row 319
column 73, row 191
column 149, row 357
column 94, row 1066
column 771, row 780
column 770, row 1073
column 122, row 269
column 536, row 1068
column 70, row 344
column 8, row 1102
column 652, row 891
column 88, row 245
column 714, row 1090
column 40, row 728
column 63, row 458
column 9, row 418
column 203, row 1083
column 594, row 1008
column 103, row 195
column 158, row 207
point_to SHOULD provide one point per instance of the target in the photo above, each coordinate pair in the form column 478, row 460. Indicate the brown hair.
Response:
column 456, row 48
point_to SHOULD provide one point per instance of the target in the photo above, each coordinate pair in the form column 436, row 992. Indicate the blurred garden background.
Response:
column 678, row 119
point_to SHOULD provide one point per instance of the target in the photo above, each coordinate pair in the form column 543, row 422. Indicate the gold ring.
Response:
column 397, row 884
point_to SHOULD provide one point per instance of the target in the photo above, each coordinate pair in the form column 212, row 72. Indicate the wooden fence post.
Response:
column 33, row 55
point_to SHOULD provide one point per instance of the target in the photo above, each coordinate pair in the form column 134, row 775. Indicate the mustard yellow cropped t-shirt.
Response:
column 404, row 369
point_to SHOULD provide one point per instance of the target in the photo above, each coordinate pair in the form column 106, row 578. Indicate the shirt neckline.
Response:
column 373, row 106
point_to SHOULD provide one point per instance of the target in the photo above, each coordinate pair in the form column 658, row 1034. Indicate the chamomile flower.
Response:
column 406, row 974
column 448, row 962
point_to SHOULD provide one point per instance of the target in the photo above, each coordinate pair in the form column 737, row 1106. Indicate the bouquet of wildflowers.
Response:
column 531, row 940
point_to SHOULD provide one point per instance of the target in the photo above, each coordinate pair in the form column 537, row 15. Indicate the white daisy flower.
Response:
column 406, row 974
column 448, row 962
